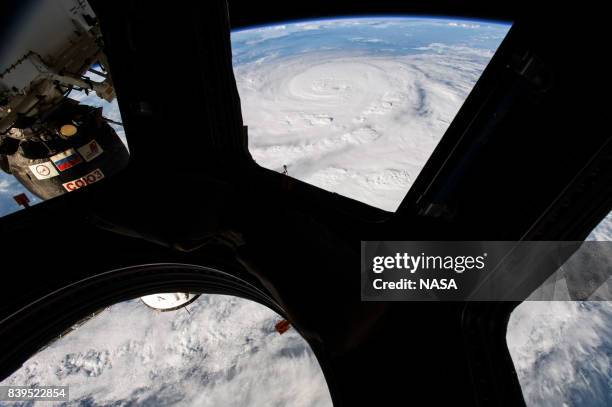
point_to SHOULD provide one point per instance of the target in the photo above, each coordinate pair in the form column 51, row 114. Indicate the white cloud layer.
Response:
column 357, row 124
column 223, row 352
column 562, row 350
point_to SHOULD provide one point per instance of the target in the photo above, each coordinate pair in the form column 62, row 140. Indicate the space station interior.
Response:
column 186, row 188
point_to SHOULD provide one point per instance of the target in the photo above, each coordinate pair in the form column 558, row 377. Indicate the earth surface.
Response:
column 354, row 106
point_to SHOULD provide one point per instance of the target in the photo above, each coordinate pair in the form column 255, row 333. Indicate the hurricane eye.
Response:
column 357, row 106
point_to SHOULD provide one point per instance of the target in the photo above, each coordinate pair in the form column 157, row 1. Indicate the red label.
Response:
column 94, row 176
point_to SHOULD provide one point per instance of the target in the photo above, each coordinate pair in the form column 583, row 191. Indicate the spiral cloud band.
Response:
column 354, row 123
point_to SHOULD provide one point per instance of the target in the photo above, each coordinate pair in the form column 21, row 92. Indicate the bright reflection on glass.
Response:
column 561, row 349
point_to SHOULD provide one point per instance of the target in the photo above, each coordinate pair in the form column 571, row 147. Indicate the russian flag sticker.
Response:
column 66, row 159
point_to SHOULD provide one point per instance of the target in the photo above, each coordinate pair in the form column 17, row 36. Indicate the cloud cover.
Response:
column 562, row 350
column 223, row 352
column 357, row 124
